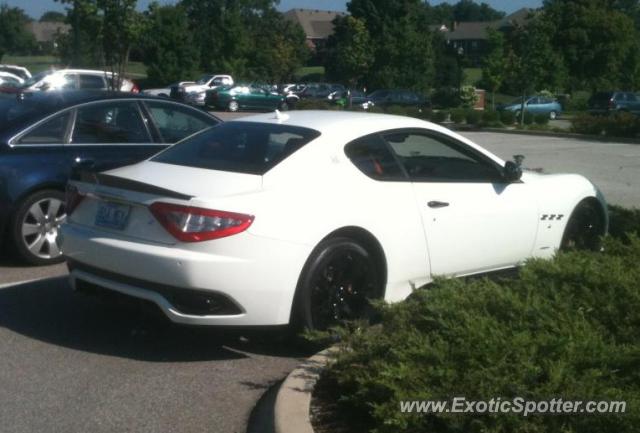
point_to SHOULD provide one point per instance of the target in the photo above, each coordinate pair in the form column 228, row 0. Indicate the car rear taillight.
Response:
column 73, row 198
column 193, row 224
column 135, row 88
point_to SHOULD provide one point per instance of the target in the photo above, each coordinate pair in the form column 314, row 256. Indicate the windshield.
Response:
column 204, row 79
column 241, row 147
column 33, row 80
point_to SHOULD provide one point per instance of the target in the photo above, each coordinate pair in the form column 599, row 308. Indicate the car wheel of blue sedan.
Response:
column 553, row 115
column 35, row 227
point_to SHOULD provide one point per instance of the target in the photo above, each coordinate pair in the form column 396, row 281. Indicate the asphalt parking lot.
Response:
column 74, row 363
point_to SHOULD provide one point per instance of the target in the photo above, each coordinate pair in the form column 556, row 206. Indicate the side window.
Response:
column 372, row 156
column 175, row 122
column 50, row 132
column 69, row 82
column 113, row 122
column 91, row 82
column 430, row 158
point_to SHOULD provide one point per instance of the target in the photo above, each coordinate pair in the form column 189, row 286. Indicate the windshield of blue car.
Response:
column 241, row 147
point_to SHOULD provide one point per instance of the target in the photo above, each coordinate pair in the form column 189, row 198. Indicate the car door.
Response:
column 109, row 134
column 473, row 220
column 533, row 106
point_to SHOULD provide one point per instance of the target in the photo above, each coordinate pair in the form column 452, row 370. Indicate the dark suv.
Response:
column 613, row 102
column 404, row 98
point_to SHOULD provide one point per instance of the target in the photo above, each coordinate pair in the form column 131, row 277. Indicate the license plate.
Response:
column 112, row 215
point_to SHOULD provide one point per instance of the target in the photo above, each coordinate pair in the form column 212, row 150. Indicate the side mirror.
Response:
column 513, row 169
column 512, row 172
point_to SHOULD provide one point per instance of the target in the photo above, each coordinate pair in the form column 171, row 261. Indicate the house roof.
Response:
column 46, row 31
column 476, row 30
column 317, row 24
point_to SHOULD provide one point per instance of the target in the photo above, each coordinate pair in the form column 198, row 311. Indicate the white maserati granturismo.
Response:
column 304, row 217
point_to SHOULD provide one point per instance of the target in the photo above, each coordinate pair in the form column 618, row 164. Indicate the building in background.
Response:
column 317, row 25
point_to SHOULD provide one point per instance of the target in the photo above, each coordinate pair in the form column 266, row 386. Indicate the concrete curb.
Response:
column 569, row 135
column 291, row 413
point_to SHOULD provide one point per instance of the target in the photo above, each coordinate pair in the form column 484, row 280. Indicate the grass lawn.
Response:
column 309, row 70
column 37, row 64
column 472, row 76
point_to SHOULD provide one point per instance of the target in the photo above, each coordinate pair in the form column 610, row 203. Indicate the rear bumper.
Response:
column 246, row 280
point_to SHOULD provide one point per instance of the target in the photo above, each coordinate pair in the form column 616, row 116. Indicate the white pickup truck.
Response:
column 195, row 93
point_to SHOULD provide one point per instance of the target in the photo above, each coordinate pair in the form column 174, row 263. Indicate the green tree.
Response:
column 53, row 16
column 494, row 64
column 169, row 51
column 14, row 37
column 594, row 39
column 468, row 10
column 401, row 42
column 349, row 51
column 122, row 27
column 82, row 46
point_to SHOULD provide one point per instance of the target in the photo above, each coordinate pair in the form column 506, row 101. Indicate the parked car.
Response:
column 358, row 98
column 19, row 71
column 196, row 93
column 43, row 135
column 320, row 90
column 165, row 92
column 534, row 105
column 614, row 102
column 404, row 98
column 246, row 97
column 10, row 83
column 303, row 217
column 75, row 79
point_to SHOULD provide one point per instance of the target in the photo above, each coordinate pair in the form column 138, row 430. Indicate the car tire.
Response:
column 585, row 227
column 518, row 116
column 553, row 115
column 283, row 106
column 34, row 227
column 337, row 284
column 233, row 106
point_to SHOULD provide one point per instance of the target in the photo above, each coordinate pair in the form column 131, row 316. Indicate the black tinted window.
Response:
column 243, row 147
column 50, row 132
column 91, row 82
column 439, row 159
column 372, row 157
column 175, row 122
column 113, row 122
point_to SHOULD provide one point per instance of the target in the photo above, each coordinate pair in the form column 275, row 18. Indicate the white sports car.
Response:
column 303, row 217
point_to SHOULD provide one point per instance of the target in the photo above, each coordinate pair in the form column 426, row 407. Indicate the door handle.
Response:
column 437, row 204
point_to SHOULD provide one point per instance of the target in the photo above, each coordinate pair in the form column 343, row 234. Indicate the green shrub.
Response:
column 420, row 113
column 622, row 125
column 623, row 223
column 376, row 109
column 440, row 116
column 565, row 328
column 313, row 104
column 541, row 119
column 397, row 110
column 508, row 117
column 528, row 118
column 472, row 116
column 458, row 115
column 588, row 124
column 490, row 117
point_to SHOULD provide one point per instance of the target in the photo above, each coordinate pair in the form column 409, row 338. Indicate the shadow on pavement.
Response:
column 50, row 311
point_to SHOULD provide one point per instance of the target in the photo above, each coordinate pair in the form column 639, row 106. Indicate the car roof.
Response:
column 351, row 123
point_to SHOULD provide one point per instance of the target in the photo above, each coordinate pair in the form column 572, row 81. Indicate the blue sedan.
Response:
column 535, row 105
column 43, row 136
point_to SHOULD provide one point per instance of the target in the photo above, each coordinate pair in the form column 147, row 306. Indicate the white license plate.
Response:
column 112, row 215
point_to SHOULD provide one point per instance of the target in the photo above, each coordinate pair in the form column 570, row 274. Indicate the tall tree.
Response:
column 122, row 27
column 594, row 39
column 494, row 64
column 349, row 51
column 53, row 16
column 169, row 50
column 401, row 41
column 82, row 46
column 14, row 37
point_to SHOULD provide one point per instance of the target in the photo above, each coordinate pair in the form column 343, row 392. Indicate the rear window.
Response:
column 243, row 147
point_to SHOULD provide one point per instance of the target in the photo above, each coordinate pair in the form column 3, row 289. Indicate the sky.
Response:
column 36, row 8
